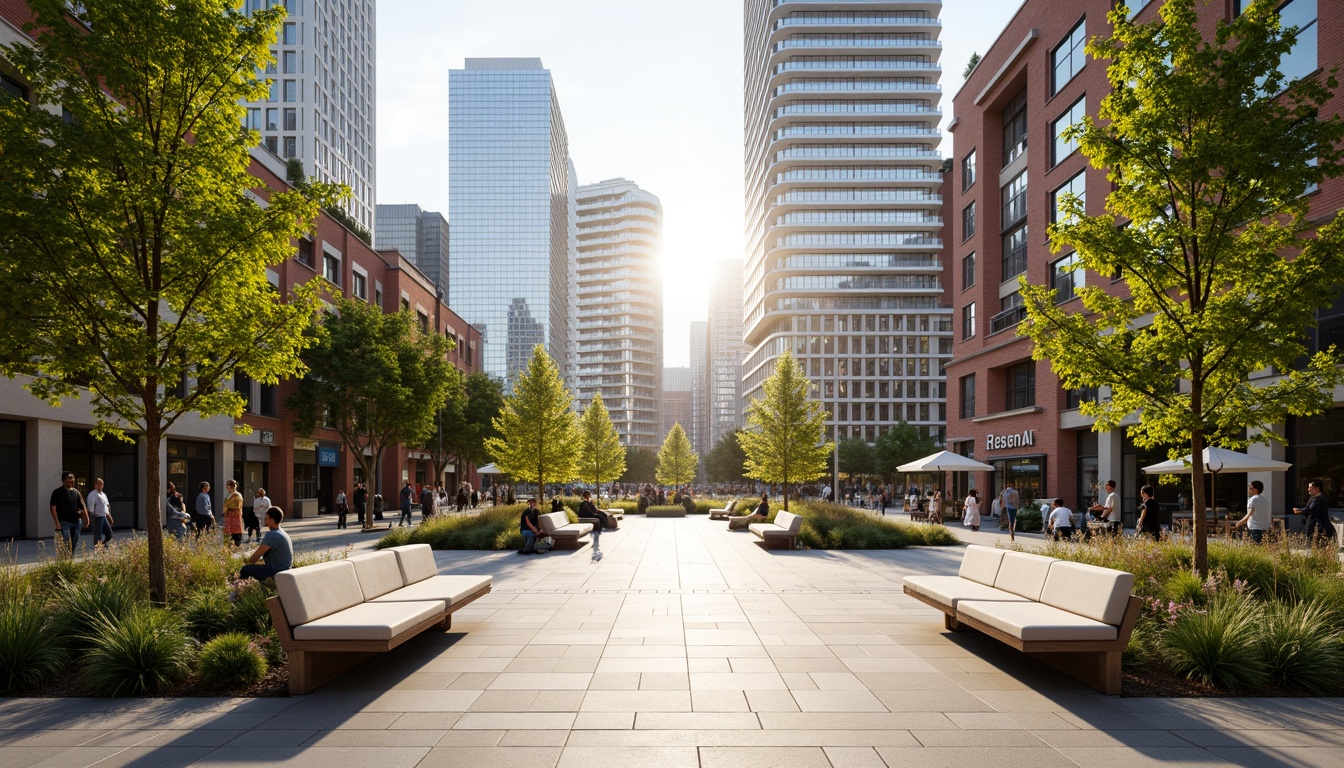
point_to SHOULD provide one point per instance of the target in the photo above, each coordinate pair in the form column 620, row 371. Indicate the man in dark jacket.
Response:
column 426, row 502
column 1316, row 513
column 589, row 511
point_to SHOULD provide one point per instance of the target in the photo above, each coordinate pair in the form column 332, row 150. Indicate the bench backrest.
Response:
column 314, row 591
column 1098, row 593
column 553, row 520
column 981, row 564
column 1023, row 574
column 378, row 572
column 789, row 522
column 731, row 505
column 416, row 561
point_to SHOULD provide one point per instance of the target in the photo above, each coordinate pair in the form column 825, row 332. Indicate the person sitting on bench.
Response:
column 589, row 511
column 276, row 549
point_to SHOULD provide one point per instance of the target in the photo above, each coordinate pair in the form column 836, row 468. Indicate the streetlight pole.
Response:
column 835, row 430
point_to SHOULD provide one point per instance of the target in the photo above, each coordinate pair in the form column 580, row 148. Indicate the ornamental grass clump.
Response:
column 82, row 606
column 1219, row 646
column 1301, row 648
column 32, row 650
column 835, row 526
column 489, row 529
column 250, row 613
column 207, row 614
column 143, row 652
column 232, row 661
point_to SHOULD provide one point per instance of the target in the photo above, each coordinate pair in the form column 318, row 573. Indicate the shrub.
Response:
column 207, row 614
column 834, row 526
column 144, row 651
column 481, row 531
column 1144, row 641
column 1030, row 521
column 1184, row 586
column 49, row 576
column 82, row 605
column 230, row 661
column 31, row 647
column 1301, row 649
column 665, row 509
column 1218, row 646
column 271, row 649
column 250, row 614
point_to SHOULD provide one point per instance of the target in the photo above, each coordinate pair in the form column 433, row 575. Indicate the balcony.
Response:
column 1007, row 319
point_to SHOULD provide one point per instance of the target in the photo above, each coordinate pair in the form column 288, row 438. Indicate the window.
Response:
column 1014, row 253
column 1068, row 276
column 305, row 254
column 331, row 269
column 968, row 171
column 1076, row 397
column 1020, row 381
column 968, row 221
column 405, row 305
column 291, row 147
column 968, row 396
column 1077, row 187
column 1014, row 200
column 1015, row 128
column 290, row 34
column 1136, row 6
column 272, row 119
column 289, row 62
column 423, row 321
column 1061, row 147
column 291, row 90
column 378, row 295
column 242, row 384
column 266, row 400
column 968, row 321
column 11, row 87
column 1301, row 60
column 967, row 271
column 291, row 119
column 359, row 286
column 1069, row 57
column 1011, row 313
column 273, row 144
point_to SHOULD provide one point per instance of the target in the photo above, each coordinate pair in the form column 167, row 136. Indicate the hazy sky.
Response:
column 650, row 91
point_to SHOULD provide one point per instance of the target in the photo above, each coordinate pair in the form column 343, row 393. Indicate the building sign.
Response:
column 328, row 457
column 267, row 437
column 1021, row 439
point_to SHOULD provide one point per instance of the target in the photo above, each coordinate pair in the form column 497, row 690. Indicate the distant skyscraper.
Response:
column 508, row 203
column 698, row 430
column 421, row 236
column 843, row 207
column 321, row 105
column 676, row 400
column 725, row 352
column 620, row 307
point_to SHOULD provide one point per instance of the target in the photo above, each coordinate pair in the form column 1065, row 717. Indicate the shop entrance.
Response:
column 1027, row 474
column 114, row 461
column 12, row 524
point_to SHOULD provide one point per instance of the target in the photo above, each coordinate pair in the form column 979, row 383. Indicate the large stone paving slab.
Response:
column 687, row 645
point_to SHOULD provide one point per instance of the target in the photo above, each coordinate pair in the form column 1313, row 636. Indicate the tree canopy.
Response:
column 538, row 432
column 132, row 249
column 785, row 436
column 1209, row 151
column 857, row 457
column 899, row 445
column 677, row 463
column 601, row 455
column 641, row 465
column 466, row 420
column 726, row 462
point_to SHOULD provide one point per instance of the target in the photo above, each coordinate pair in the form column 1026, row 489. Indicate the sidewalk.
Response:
column 687, row 645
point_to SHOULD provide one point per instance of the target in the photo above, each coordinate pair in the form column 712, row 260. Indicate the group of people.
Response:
column 529, row 523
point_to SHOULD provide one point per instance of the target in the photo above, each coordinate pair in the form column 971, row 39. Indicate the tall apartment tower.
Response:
column 698, row 429
column 620, row 307
column 321, row 105
column 725, row 352
column 676, row 396
column 420, row 235
column 843, row 210
column 509, row 202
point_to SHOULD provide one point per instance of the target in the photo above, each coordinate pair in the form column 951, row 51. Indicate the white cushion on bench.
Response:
column 416, row 561
column 378, row 572
column 553, row 523
column 1023, row 574
column 981, row 564
column 369, row 621
column 1035, row 622
column 1088, row 590
column 951, row 590
column 314, row 591
column 450, row 589
column 789, row 522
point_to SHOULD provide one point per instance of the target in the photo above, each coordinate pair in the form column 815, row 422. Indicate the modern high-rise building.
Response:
column 843, row 209
column 509, row 203
column 698, row 429
column 676, row 397
column 321, row 108
column 725, row 352
column 620, row 307
column 421, row 236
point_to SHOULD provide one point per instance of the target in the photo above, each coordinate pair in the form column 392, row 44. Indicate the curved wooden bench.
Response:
column 567, row 535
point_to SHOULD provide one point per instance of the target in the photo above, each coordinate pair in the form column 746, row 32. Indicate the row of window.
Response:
column 856, row 174
column 852, row 129
column 1019, row 389
column 854, row 62
column 866, row 195
column 856, row 84
column 834, row 151
column 859, row 217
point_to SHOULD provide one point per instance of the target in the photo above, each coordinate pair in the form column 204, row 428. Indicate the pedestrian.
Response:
column 885, row 500
column 233, row 512
column 100, row 514
column 378, row 508
column 361, row 501
column 1316, row 513
column 972, row 517
column 68, row 513
column 529, row 524
column 342, row 510
column 1109, row 510
column 1258, row 514
column 1008, row 501
column 276, row 549
column 1061, row 520
column 461, row 498
column 475, row 498
column 936, row 508
column 1149, row 510
column 178, row 519
column 912, row 500
column 252, row 517
column 404, row 502
column 426, row 503
column 589, row 511
column 205, row 510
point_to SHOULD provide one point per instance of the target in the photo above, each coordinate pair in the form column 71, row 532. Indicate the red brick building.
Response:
column 1009, row 167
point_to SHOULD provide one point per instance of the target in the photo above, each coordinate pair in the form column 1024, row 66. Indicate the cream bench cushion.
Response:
column 786, row 525
column 558, row 522
column 951, row 590
column 416, row 561
column 1023, row 574
column 450, row 589
column 1035, row 622
column 370, row 621
column 981, row 564
column 1098, row 593
column 378, row 572
column 314, row 591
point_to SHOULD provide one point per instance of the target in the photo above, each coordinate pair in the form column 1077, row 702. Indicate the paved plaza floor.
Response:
column 687, row 645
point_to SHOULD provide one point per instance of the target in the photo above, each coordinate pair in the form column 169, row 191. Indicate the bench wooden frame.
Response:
column 315, row 662
column 1094, row 663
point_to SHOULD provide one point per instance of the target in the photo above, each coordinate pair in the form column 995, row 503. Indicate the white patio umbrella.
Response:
column 1218, row 460
column 488, row 469
column 945, row 461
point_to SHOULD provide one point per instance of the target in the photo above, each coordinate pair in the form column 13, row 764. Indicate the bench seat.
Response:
column 722, row 513
column 1034, row 622
column 452, row 590
column 371, row 621
column 949, row 591
column 781, row 534
column 567, row 535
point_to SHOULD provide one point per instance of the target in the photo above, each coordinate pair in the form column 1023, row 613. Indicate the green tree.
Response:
column 375, row 378
column 466, row 421
column 677, row 463
column 899, row 445
column 641, row 465
column 857, row 457
column 726, row 462
column 785, row 437
column 133, row 257
column 538, row 433
column 601, row 455
column 1209, row 150
column 971, row 64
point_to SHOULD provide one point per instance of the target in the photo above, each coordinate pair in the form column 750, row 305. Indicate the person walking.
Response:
column 1258, row 515
column 361, row 502
column 1317, row 513
column 1149, row 511
column 936, row 508
column 404, row 502
column 233, row 512
column 972, row 517
column 426, row 503
column 100, row 514
column 205, row 511
column 69, row 513
column 178, row 518
column 1008, row 501
column 342, row 510
column 276, row 549
column 252, row 517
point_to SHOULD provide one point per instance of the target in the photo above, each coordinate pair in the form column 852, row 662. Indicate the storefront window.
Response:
column 1316, row 451
column 11, row 480
column 305, row 474
column 1027, row 475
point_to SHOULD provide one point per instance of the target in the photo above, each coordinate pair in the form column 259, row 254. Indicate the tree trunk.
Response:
column 158, row 581
column 1200, row 528
column 366, row 464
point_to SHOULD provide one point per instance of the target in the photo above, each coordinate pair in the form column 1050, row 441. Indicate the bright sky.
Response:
column 651, row 91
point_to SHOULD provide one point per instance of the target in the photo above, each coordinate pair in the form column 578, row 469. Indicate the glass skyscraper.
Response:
column 420, row 235
column 843, row 208
column 509, row 200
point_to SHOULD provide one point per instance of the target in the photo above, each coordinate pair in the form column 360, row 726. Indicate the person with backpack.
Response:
column 529, row 524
